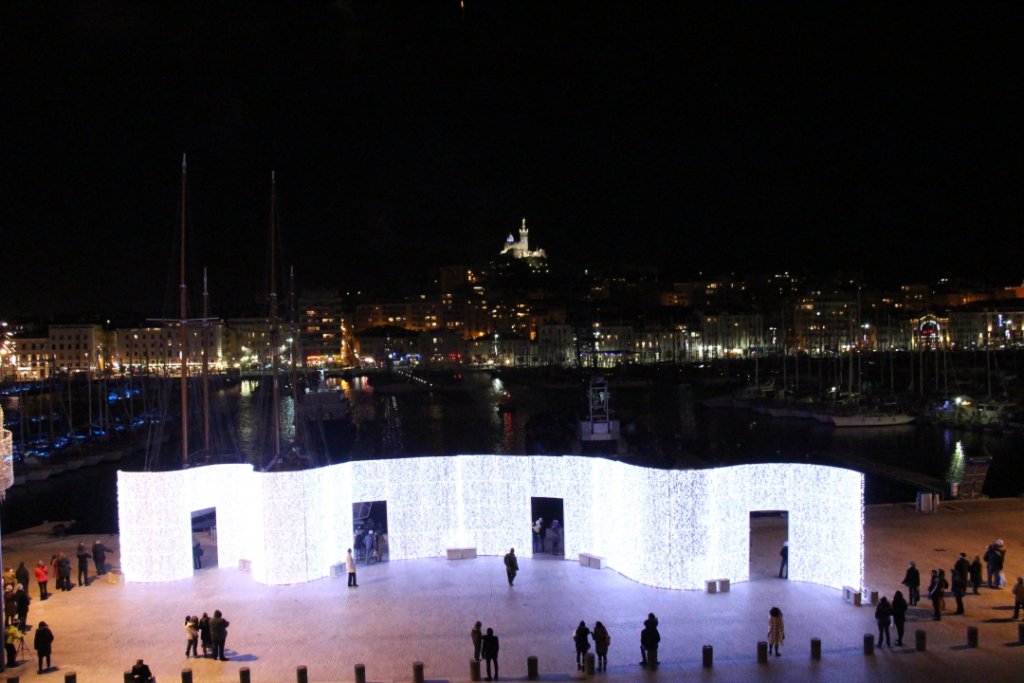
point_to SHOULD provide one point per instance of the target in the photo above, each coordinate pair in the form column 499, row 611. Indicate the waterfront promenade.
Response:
column 423, row 610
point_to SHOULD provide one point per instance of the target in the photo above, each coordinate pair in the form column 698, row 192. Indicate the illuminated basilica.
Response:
column 521, row 249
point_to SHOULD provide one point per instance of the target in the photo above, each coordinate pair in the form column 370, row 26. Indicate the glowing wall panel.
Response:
column 673, row 529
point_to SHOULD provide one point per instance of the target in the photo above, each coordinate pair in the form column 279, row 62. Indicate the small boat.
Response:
column 871, row 420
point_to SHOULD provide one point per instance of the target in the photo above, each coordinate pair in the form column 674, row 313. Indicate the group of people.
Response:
column 14, row 638
column 210, row 632
column 370, row 544
column 542, row 531
column 485, row 645
column 602, row 641
column 963, row 575
column 61, row 568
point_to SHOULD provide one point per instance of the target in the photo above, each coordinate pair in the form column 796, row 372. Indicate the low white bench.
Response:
column 339, row 569
column 852, row 595
column 869, row 595
column 592, row 561
column 717, row 585
column 461, row 553
column 244, row 565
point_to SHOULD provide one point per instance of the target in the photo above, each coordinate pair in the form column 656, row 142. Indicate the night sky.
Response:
column 811, row 137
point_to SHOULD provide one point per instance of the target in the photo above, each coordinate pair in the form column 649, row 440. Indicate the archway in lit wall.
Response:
column 204, row 533
column 769, row 530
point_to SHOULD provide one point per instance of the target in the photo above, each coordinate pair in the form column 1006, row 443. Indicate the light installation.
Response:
column 665, row 528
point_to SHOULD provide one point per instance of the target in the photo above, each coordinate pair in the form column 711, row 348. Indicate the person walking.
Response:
column 42, row 576
column 912, row 580
column 776, row 630
column 83, row 564
column 43, row 643
column 975, row 573
column 350, row 566
column 649, row 640
column 1018, row 596
column 219, row 634
column 959, row 589
column 511, row 565
column 784, row 565
column 476, row 635
column 602, row 641
column 581, row 638
column 899, row 616
column 883, row 615
column 21, row 602
column 191, row 636
column 935, row 594
column 99, row 557
column 489, row 650
column 204, row 633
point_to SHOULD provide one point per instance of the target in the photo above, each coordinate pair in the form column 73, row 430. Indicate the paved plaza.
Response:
column 422, row 610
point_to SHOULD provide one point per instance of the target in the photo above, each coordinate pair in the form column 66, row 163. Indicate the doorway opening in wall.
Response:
column 769, row 534
column 204, row 538
column 370, row 531
column 546, row 521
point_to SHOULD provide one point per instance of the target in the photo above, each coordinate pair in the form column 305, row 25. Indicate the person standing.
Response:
column 476, row 635
column 649, row 640
column 1018, row 596
column 935, row 594
column 12, row 637
column 975, row 573
column 9, row 608
column 191, row 636
column 536, row 534
column 912, row 580
column 64, row 572
column 556, row 536
column 43, row 643
column 197, row 556
column 581, row 638
column 99, row 557
column 489, row 650
column 350, row 566
column 21, row 574
column 963, row 568
column 219, row 634
column 899, row 615
column 959, row 588
column 883, row 613
column 368, row 546
column 83, row 565
column 543, row 534
column 602, row 641
column 776, row 630
column 21, row 602
column 42, row 576
column 511, row 565
column 204, row 633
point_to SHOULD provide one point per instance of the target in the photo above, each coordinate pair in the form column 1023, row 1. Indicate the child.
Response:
column 776, row 630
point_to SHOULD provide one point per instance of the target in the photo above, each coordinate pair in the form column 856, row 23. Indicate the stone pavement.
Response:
column 423, row 610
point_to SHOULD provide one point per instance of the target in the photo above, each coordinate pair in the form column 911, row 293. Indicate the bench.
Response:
column 869, row 595
column 339, row 569
column 461, row 553
column 592, row 561
column 852, row 595
column 717, row 585
column 244, row 565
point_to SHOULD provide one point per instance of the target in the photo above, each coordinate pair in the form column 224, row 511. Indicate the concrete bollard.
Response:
column 920, row 640
column 972, row 636
column 417, row 672
column 474, row 670
column 128, row 677
column 244, row 676
column 186, row 676
column 13, row 679
column 869, row 644
column 532, row 670
column 588, row 664
column 301, row 675
column 707, row 656
column 762, row 652
column 70, row 677
column 815, row 648
column 1020, row 633
column 360, row 673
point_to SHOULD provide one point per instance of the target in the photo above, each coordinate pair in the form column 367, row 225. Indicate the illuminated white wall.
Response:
column 673, row 529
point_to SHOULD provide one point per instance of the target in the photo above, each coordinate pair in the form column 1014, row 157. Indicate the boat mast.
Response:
column 206, row 368
column 182, row 311
column 275, row 352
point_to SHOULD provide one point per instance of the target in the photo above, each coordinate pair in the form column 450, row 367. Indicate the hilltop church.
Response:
column 521, row 249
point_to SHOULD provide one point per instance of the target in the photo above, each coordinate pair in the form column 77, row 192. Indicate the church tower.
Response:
column 524, row 239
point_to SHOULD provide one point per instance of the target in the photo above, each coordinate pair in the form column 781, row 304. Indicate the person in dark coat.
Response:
column 204, row 633
column 912, row 580
column 64, row 572
column 43, row 643
column 899, row 615
column 197, row 556
column 784, row 565
column 9, row 608
column 141, row 672
column 963, row 568
column 995, row 557
column 602, row 641
column 476, row 635
column 581, row 638
column 83, row 565
column 511, row 565
column 21, row 602
column 99, row 557
column 489, row 651
column 975, row 574
column 959, row 588
column 649, row 640
column 219, row 634
column 883, row 613
column 935, row 592
column 21, row 574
